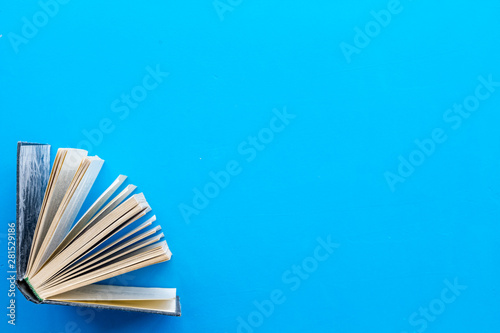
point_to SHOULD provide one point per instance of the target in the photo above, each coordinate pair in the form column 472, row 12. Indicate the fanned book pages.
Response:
column 60, row 258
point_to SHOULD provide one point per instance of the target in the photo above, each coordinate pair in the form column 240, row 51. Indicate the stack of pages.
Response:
column 68, row 256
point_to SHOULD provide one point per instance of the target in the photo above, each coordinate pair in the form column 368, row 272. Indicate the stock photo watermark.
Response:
column 292, row 278
column 421, row 319
column 122, row 107
column 364, row 36
column 31, row 26
column 454, row 117
column 11, row 272
column 248, row 149
column 224, row 6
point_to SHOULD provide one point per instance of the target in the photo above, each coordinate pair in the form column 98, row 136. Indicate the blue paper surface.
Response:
column 316, row 166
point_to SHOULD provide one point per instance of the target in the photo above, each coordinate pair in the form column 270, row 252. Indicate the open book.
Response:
column 61, row 258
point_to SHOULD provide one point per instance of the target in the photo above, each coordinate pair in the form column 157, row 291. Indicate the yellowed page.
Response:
column 99, row 292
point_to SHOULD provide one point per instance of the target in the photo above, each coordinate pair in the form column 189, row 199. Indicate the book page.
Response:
column 75, row 196
column 91, row 255
column 89, row 214
column 64, row 169
column 149, row 255
column 99, row 292
column 106, row 257
column 125, row 214
column 156, row 305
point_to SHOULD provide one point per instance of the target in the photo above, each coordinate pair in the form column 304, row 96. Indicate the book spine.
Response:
column 33, row 289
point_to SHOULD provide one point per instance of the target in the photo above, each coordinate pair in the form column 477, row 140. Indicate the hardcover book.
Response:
column 60, row 259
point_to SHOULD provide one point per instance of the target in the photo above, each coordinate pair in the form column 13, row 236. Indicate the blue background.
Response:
column 324, row 175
